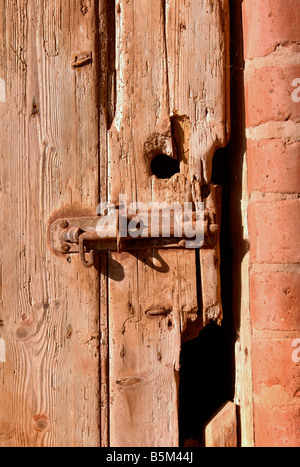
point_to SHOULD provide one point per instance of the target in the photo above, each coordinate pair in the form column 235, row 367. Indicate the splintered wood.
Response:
column 171, row 98
column 221, row 430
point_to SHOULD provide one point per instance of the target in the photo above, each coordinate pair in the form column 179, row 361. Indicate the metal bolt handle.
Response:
column 80, row 235
column 82, row 239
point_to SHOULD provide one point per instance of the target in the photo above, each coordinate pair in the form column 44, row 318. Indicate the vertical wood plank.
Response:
column 221, row 430
column 210, row 265
column 198, row 69
column 49, row 164
column 151, row 296
column 172, row 83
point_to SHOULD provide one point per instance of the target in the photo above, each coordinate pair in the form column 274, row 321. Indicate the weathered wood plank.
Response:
column 48, row 163
column 171, row 99
column 151, row 297
column 210, row 265
column 197, row 36
column 221, row 431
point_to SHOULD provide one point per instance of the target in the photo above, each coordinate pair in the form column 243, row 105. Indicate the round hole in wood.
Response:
column 163, row 166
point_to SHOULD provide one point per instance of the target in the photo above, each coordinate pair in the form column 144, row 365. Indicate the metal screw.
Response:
column 65, row 247
column 63, row 223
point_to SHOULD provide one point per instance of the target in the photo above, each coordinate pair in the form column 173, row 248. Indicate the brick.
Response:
column 274, row 229
column 268, row 24
column 273, row 365
column 273, row 166
column 278, row 427
column 275, row 301
column 268, row 93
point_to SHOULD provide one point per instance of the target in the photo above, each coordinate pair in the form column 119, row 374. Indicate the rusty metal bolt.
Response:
column 73, row 235
column 70, row 235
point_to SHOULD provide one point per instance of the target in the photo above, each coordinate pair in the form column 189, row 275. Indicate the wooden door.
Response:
column 92, row 92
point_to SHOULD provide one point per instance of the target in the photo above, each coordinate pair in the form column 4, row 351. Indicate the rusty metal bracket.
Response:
column 82, row 235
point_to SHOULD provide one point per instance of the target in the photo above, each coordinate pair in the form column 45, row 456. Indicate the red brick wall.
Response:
column 272, row 65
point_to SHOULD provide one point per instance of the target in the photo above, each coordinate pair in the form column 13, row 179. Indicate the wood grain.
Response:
column 198, row 69
column 198, row 64
column 48, row 164
column 92, row 95
column 170, row 99
column 145, row 347
column 221, row 430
